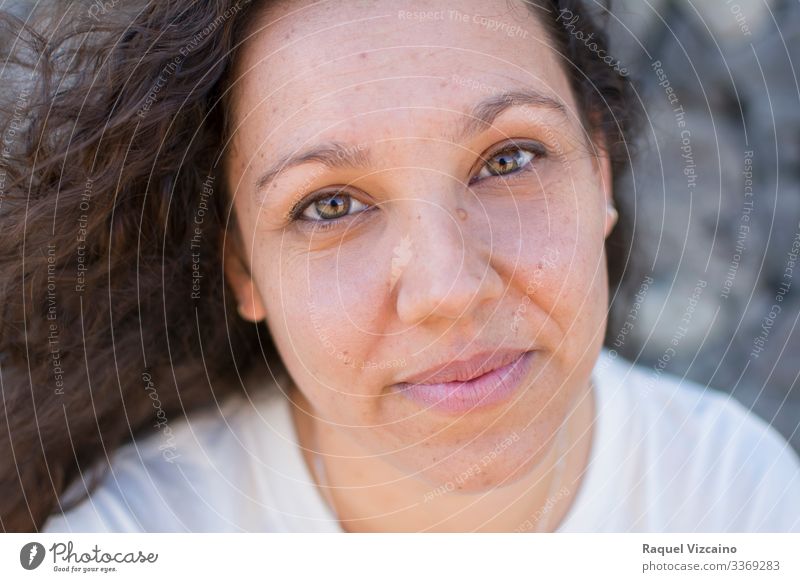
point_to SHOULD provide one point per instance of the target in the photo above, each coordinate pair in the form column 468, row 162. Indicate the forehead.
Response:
column 314, row 69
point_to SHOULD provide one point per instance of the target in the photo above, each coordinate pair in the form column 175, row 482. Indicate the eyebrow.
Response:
column 487, row 110
column 335, row 154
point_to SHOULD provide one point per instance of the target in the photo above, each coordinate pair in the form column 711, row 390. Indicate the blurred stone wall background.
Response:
column 715, row 189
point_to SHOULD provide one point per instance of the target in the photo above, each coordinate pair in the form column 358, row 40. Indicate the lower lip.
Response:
column 483, row 391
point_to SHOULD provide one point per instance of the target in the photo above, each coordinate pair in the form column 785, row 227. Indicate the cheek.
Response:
column 553, row 255
column 326, row 316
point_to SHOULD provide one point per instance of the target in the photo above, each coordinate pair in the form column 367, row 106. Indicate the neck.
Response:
column 370, row 495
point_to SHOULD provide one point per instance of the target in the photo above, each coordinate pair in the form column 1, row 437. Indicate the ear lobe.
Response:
column 611, row 219
column 606, row 183
column 250, row 304
column 603, row 167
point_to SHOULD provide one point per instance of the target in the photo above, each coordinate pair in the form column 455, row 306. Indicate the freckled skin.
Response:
column 536, row 240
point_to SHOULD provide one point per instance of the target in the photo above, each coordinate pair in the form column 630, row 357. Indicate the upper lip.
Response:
column 466, row 369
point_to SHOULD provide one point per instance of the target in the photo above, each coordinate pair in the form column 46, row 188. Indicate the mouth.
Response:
column 460, row 387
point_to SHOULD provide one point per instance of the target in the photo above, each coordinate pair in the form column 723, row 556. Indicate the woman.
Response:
column 371, row 239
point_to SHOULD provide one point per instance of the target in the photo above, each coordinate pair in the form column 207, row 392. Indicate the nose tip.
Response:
column 448, row 302
column 446, row 274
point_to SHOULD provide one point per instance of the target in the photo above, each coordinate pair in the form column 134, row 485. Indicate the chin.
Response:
column 474, row 474
column 484, row 461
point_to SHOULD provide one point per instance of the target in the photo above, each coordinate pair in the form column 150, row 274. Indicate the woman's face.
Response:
column 414, row 187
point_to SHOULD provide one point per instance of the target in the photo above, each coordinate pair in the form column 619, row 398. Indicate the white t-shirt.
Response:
column 668, row 455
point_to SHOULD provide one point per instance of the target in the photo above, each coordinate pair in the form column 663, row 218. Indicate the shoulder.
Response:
column 711, row 463
column 193, row 474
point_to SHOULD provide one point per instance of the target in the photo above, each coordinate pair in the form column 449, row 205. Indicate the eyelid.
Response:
column 534, row 146
column 515, row 143
column 297, row 209
column 295, row 214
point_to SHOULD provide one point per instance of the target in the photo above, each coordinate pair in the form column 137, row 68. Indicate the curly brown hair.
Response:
column 111, row 183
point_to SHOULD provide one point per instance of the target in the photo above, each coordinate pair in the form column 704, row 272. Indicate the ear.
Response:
column 606, row 183
column 602, row 163
column 237, row 275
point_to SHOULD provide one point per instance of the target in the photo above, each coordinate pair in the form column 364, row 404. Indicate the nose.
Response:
column 447, row 271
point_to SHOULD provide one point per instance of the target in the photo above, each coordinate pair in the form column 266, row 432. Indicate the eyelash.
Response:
column 537, row 150
column 296, row 213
